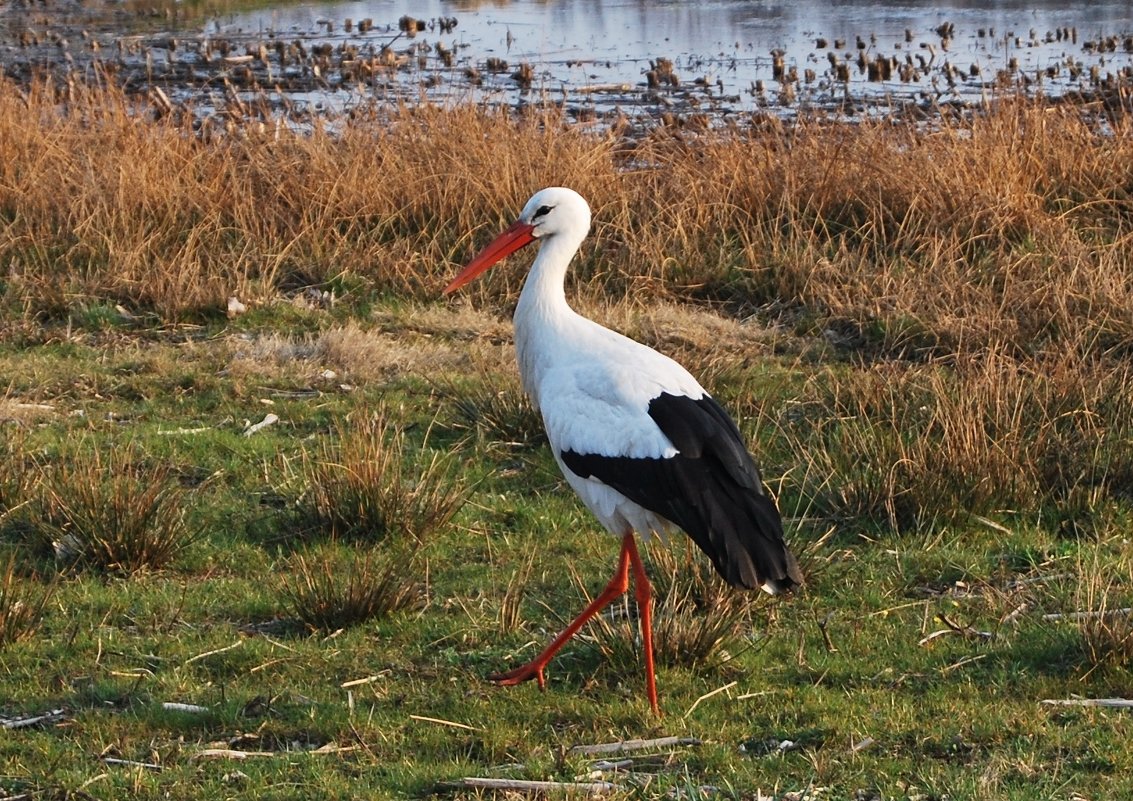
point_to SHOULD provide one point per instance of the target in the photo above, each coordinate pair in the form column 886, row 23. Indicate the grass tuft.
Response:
column 21, row 606
column 116, row 512
column 1104, row 599
column 510, row 616
column 331, row 590
column 17, row 472
column 496, row 408
column 357, row 487
column 697, row 617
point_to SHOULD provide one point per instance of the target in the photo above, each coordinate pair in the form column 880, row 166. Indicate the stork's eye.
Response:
column 543, row 210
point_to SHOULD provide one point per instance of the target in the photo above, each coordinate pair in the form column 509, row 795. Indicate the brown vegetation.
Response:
column 1104, row 597
column 914, row 446
column 328, row 590
column 1011, row 229
column 22, row 604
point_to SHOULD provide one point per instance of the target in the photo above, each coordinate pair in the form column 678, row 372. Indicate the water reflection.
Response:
column 827, row 49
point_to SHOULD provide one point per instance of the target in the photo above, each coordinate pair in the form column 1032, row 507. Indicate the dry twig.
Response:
column 632, row 745
column 522, row 785
column 1108, row 703
column 696, row 703
column 131, row 763
column 443, row 722
column 213, row 652
column 955, row 628
column 1088, row 615
column 54, row 716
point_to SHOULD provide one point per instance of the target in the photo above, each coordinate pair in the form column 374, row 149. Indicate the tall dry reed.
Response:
column 909, row 447
column 1013, row 228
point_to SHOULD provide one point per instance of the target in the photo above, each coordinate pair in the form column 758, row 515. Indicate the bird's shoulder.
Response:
column 598, row 400
column 612, row 368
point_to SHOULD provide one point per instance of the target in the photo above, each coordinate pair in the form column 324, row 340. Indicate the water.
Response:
column 598, row 53
column 697, row 62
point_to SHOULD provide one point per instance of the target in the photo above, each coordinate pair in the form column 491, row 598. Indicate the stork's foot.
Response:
column 510, row 678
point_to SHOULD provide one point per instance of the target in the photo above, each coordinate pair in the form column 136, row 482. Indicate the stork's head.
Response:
column 555, row 211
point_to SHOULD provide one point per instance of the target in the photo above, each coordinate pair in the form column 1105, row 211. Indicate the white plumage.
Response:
column 639, row 440
column 592, row 385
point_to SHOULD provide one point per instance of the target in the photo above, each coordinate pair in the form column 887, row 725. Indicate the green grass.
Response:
column 345, row 713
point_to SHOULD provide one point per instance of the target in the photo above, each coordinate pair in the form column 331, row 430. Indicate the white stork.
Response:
column 639, row 440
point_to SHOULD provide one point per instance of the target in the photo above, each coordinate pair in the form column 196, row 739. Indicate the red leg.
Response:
column 617, row 586
column 642, row 593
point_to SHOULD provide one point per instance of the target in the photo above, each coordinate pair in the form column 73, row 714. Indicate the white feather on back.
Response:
column 596, row 399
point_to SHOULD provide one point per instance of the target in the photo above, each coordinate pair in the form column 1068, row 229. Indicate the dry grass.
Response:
column 352, row 353
column 510, row 615
column 359, row 486
column 144, row 215
column 116, row 511
column 329, row 590
column 1104, row 601
column 1013, row 228
column 21, row 604
column 17, row 471
column 910, row 447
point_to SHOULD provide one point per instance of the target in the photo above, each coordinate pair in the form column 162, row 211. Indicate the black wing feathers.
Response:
column 711, row 489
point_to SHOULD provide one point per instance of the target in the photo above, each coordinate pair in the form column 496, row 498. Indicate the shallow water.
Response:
column 692, row 63
column 727, row 45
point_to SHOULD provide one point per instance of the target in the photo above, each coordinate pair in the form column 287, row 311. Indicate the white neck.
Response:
column 543, row 319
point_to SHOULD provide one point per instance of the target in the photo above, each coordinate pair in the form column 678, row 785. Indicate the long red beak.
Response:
column 516, row 236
